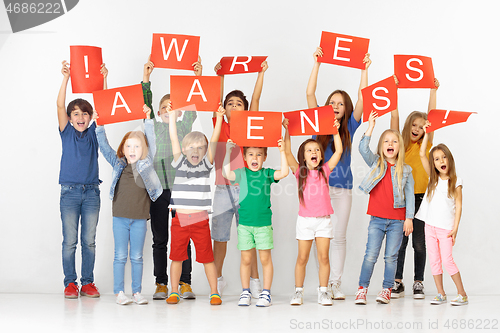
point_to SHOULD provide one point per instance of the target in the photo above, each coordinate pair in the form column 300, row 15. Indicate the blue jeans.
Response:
column 79, row 204
column 378, row 228
column 125, row 230
column 225, row 206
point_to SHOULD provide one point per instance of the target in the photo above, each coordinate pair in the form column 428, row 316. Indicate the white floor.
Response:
column 51, row 312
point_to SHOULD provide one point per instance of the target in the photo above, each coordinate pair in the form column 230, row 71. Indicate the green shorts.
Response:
column 260, row 238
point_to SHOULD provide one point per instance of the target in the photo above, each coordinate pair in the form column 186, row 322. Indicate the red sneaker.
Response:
column 384, row 296
column 90, row 290
column 71, row 291
column 361, row 295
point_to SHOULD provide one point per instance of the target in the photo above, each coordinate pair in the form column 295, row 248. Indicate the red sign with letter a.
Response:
column 85, row 69
column 255, row 128
column 343, row 50
column 241, row 64
column 195, row 93
column 316, row 121
column 381, row 97
column 119, row 104
column 175, row 51
column 414, row 71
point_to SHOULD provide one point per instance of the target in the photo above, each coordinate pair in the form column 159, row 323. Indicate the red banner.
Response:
column 85, row 69
column 314, row 121
column 255, row 128
column 241, row 64
column 414, row 71
column 200, row 92
column 119, row 104
column 174, row 51
column 443, row 118
column 381, row 97
column 343, row 50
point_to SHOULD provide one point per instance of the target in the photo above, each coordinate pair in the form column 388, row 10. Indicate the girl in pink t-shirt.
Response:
column 313, row 222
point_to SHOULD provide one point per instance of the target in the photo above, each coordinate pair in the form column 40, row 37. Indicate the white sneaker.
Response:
column 139, row 299
column 221, row 284
column 122, row 299
column 335, row 292
column 324, row 298
column 297, row 297
column 245, row 298
column 264, row 299
column 460, row 300
column 255, row 287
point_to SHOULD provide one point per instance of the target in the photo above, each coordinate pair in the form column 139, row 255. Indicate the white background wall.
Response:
column 460, row 36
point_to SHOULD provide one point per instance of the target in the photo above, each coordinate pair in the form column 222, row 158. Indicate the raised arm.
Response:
column 257, row 90
column 150, row 131
column 212, row 147
column 292, row 162
column 280, row 174
column 313, row 80
column 216, row 68
column 337, row 141
column 423, row 150
column 62, row 116
column 172, row 126
column 433, row 103
column 104, row 72
column 364, row 145
column 146, row 85
column 226, row 166
column 458, row 213
column 395, row 113
column 358, row 109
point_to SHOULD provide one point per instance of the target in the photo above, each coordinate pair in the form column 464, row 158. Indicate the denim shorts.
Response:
column 260, row 238
column 225, row 206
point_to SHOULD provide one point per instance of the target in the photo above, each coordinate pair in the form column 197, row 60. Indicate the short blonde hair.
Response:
column 194, row 136
column 134, row 135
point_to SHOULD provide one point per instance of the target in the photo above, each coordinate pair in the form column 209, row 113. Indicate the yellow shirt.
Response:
column 412, row 158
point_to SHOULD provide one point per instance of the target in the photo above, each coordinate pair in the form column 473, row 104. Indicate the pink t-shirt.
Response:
column 316, row 194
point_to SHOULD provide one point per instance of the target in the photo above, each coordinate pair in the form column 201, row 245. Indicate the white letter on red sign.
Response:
column 387, row 100
column 200, row 92
column 174, row 41
column 244, row 63
column 337, row 47
column 414, row 69
column 250, row 127
column 124, row 105
column 303, row 116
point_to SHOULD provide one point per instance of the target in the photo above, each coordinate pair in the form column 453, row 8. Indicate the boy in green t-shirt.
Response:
column 254, row 229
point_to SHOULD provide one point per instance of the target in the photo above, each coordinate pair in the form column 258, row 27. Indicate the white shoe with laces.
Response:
column 245, row 298
column 139, row 299
column 335, row 291
column 297, row 297
column 324, row 298
column 122, row 299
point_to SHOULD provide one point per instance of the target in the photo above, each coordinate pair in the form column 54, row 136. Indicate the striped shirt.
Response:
column 191, row 188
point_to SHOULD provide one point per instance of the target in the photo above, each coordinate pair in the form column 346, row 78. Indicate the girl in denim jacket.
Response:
column 134, row 183
column 391, row 206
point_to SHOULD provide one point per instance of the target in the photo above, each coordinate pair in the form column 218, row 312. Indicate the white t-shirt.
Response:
column 440, row 212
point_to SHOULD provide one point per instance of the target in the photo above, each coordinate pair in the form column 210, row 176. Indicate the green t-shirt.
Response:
column 255, row 196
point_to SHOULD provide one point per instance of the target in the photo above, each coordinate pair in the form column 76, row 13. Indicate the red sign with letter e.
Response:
column 174, row 51
column 414, row 71
column 119, row 104
column 255, row 128
column 443, row 118
column 240, row 64
column 316, row 121
column 85, row 69
column 201, row 91
column 381, row 97
column 343, row 50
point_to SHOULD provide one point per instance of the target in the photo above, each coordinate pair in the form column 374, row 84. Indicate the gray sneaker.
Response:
column 161, row 291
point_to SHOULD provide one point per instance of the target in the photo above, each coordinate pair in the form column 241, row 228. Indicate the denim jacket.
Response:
column 144, row 167
column 401, row 200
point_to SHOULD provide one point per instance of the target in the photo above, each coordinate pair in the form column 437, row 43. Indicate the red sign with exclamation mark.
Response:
column 85, row 69
column 443, row 118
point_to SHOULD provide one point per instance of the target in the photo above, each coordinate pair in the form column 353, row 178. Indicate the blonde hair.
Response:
column 134, row 135
column 400, row 159
column 434, row 176
column 408, row 127
column 192, row 137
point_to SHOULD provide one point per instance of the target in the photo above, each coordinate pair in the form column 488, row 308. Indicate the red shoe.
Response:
column 71, row 291
column 384, row 296
column 361, row 295
column 90, row 290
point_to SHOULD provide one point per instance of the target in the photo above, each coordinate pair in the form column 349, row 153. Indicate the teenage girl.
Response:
column 390, row 185
column 225, row 204
column 413, row 133
column 134, row 183
column 441, row 210
column 340, row 180
column 313, row 222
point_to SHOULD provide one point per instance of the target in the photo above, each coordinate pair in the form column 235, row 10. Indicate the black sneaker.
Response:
column 418, row 290
column 398, row 290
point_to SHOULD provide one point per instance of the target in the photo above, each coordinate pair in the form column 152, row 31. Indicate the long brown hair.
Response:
column 345, row 136
column 434, row 176
column 304, row 171
column 408, row 127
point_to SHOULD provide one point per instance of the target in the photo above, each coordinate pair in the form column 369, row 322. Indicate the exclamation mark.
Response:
column 86, row 60
column 446, row 116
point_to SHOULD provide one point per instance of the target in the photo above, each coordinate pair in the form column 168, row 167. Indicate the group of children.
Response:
column 154, row 175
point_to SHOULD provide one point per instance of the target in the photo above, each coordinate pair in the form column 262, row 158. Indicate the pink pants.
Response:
column 439, row 248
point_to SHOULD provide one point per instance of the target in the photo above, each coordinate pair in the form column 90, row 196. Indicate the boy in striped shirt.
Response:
column 191, row 199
